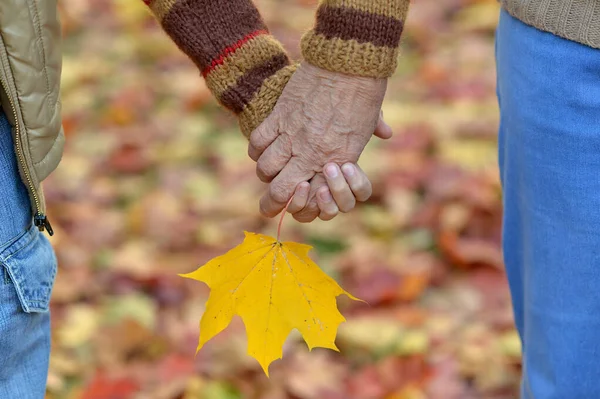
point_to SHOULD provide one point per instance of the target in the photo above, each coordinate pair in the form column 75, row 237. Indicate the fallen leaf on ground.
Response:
column 274, row 287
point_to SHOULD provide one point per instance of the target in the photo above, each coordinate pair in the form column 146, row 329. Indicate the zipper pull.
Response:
column 42, row 222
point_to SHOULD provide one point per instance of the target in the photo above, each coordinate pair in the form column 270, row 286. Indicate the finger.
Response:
column 309, row 213
column 283, row 186
column 328, row 207
column 300, row 198
column 311, row 210
column 339, row 188
column 358, row 181
column 274, row 159
column 262, row 137
column 383, row 130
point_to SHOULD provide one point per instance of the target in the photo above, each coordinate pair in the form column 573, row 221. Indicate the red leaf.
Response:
column 103, row 387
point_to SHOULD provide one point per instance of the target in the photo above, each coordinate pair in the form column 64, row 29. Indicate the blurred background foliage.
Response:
column 155, row 181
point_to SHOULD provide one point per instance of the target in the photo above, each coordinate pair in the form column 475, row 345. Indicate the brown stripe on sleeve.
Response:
column 204, row 28
column 237, row 97
column 358, row 25
column 392, row 9
column 264, row 100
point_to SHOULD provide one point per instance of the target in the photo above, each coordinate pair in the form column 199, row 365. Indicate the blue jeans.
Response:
column 27, row 271
column 549, row 150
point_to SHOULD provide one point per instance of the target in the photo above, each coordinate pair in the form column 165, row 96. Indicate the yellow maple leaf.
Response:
column 274, row 287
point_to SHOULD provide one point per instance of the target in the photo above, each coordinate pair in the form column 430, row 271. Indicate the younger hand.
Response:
column 311, row 200
column 336, row 190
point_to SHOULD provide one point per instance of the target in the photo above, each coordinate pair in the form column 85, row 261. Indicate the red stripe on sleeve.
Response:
column 230, row 50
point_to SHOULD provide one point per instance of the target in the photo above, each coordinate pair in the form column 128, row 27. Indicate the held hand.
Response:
column 315, row 203
column 321, row 117
column 315, row 199
column 336, row 190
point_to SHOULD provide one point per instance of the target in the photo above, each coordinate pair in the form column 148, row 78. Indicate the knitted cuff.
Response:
column 356, row 37
column 245, row 67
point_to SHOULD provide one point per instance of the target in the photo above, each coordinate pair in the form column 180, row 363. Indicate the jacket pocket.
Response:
column 30, row 264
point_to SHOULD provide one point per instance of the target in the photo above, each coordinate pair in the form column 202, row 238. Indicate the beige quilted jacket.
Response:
column 30, row 64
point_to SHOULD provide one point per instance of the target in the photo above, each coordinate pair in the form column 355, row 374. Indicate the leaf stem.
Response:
column 282, row 216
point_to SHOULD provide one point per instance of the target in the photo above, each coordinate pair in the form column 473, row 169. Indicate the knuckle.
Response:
column 295, row 206
column 260, row 136
column 308, row 214
column 263, row 171
column 253, row 152
column 262, row 177
column 255, row 139
column 278, row 193
column 270, row 213
column 263, row 210
column 267, row 208
column 293, row 209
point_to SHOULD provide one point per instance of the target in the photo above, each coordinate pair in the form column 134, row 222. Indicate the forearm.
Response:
column 356, row 37
column 244, row 66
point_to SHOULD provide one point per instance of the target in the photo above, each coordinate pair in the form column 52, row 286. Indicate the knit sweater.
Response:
column 246, row 68
column 577, row 20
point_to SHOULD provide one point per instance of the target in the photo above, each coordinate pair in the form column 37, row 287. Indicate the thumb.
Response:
column 383, row 130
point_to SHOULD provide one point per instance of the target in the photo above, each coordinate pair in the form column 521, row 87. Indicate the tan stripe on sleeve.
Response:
column 160, row 8
column 349, row 56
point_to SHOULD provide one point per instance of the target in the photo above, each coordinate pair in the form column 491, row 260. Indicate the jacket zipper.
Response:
column 39, row 219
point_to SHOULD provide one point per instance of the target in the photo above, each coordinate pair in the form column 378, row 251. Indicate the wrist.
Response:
column 344, row 86
column 338, row 77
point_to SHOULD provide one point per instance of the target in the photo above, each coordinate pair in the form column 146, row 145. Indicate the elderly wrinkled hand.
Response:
column 322, row 117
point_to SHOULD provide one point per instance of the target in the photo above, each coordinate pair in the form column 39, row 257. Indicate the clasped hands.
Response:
column 309, row 146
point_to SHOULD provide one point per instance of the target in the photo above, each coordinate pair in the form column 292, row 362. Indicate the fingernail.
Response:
column 331, row 171
column 348, row 170
column 326, row 196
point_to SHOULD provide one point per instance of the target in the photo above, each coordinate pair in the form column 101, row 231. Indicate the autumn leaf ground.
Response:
column 155, row 181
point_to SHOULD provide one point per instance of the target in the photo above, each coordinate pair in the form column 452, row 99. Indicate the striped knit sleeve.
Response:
column 356, row 37
column 244, row 66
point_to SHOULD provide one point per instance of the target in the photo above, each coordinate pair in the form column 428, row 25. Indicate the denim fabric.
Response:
column 549, row 152
column 27, row 271
column 15, row 209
